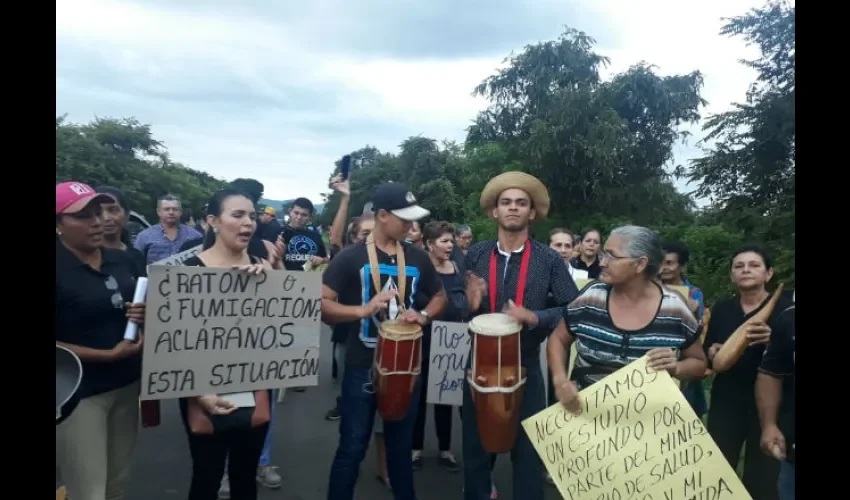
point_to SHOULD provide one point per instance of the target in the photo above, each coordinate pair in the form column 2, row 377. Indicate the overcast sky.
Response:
column 278, row 90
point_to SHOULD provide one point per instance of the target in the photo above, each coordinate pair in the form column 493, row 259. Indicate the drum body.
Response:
column 398, row 362
column 496, row 379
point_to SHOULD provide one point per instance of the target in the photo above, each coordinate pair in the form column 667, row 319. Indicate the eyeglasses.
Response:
column 603, row 255
column 117, row 299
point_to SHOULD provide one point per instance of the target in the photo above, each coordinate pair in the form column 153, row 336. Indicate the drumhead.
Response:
column 494, row 325
column 69, row 373
column 396, row 328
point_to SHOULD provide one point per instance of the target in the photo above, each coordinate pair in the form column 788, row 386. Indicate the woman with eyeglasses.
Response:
column 94, row 288
column 623, row 317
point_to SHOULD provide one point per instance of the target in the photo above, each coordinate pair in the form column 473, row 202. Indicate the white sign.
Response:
column 221, row 331
column 450, row 345
column 179, row 258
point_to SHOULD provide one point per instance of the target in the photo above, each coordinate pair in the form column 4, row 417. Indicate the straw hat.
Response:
column 516, row 180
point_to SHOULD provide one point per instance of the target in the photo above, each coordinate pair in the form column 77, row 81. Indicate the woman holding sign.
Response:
column 624, row 316
column 94, row 288
column 438, row 238
column 214, row 440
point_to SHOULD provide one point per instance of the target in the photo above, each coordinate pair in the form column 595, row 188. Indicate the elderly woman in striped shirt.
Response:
column 623, row 317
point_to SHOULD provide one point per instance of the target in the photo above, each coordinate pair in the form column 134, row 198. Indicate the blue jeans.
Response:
column 527, row 467
column 786, row 481
column 357, row 416
column 265, row 456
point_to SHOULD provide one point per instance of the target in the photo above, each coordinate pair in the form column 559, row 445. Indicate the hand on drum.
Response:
column 410, row 316
column 567, row 393
column 519, row 313
column 663, row 358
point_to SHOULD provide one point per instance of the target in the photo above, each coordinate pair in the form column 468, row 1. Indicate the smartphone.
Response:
column 345, row 165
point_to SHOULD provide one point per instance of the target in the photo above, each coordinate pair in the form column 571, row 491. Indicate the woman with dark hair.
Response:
column 588, row 258
column 732, row 414
column 438, row 238
column 232, row 220
column 116, row 215
column 94, row 288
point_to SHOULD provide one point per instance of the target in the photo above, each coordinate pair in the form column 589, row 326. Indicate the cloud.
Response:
column 279, row 90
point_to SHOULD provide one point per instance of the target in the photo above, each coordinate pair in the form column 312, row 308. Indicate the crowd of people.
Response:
column 611, row 300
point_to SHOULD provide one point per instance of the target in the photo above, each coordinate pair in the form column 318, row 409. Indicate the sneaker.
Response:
column 299, row 389
column 447, row 461
column 417, row 460
column 224, row 490
column 267, row 476
column 332, row 414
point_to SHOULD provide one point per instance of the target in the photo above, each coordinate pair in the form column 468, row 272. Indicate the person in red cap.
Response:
column 94, row 287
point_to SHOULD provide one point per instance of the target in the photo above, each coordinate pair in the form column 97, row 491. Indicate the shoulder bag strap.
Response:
column 372, row 252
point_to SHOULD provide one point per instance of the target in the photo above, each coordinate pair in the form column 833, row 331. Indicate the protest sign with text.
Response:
column 636, row 438
column 450, row 344
column 221, row 331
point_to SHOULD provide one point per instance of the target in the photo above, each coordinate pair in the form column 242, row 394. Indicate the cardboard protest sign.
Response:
column 221, row 331
column 450, row 344
column 635, row 438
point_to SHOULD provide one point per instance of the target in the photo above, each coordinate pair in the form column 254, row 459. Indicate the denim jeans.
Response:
column 786, row 481
column 357, row 416
column 266, row 455
column 527, row 467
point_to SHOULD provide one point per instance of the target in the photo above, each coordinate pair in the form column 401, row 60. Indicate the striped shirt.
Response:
column 602, row 348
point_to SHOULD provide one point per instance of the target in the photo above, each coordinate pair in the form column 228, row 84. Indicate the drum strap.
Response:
column 372, row 252
column 521, row 280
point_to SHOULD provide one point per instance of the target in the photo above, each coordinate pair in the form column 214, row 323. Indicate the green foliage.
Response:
column 123, row 154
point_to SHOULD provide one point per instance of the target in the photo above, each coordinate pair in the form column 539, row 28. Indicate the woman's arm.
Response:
column 556, row 351
column 90, row 355
column 692, row 364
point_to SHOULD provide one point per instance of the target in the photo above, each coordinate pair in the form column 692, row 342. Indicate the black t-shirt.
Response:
column 270, row 230
column 138, row 260
column 349, row 275
column 301, row 245
column 737, row 385
column 90, row 313
column 780, row 360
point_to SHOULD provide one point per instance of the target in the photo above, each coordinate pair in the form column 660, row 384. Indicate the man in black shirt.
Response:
column 271, row 227
column 302, row 243
column 775, row 397
column 518, row 274
column 350, row 295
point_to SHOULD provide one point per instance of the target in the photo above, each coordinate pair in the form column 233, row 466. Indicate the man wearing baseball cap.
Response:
column 362, row 285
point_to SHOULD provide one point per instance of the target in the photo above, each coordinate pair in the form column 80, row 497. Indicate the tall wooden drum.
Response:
column 496, row 379
column 398, row 362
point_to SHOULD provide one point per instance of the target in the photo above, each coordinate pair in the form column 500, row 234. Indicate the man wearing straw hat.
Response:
column 514, row 274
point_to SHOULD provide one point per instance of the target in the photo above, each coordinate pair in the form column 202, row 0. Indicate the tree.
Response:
column 601, row 146
column 123, row 153
column 749, row 174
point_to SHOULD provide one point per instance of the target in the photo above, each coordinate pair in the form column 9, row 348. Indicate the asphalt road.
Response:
column 303, row 446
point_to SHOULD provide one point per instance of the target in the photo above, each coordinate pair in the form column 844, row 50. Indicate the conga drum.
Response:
column 398, row 362
column 496, row 379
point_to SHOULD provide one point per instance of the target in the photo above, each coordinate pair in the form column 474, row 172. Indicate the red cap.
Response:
column 71, row 197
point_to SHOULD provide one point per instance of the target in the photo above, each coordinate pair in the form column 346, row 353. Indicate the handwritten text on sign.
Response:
column 219, row 331
column 450, row 344
column 635, row 439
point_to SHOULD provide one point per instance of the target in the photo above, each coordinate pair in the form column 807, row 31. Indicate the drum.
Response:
column 398, row 362
column 496, row 379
